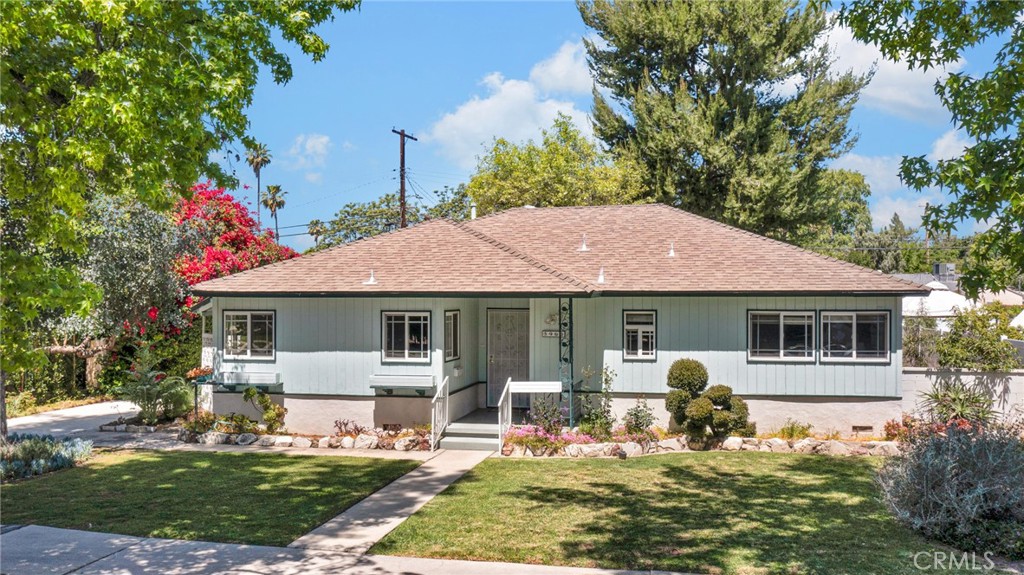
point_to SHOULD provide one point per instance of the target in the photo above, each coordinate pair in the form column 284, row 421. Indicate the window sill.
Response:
column 248, row 358
column 800, row 360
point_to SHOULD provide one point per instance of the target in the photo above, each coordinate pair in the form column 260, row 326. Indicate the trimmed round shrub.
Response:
column 719, row 395
column 740, row 411
column 688, row 375
column 676, row 402
column 721, row 422
column 700, row 410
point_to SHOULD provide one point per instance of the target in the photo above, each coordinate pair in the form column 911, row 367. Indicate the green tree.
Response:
column 273, row 200
column 975, row 339
column 565, row 169
column 732, row 106
column 316, row 230
column 258, row 157
column 985, row 182
column 124, row 98
column 357, row 220
column 847, row 217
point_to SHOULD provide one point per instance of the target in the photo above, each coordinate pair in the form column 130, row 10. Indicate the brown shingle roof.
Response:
column 536, row 251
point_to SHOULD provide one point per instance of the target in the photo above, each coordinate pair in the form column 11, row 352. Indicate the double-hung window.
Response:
column 406, row 336
column 782, row 335
column 249, row 335
column 639, row 334
column 452, row 333
column 854, row 336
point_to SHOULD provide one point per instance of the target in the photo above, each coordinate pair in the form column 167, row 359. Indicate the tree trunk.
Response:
column 3, row 404
column 92, row 351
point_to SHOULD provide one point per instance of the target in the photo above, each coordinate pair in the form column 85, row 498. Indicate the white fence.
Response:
column 1006, row 388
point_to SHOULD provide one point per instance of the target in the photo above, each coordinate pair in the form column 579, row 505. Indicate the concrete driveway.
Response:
column 84, row 422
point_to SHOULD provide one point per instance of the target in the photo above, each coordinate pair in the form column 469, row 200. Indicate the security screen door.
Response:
column 508, row 352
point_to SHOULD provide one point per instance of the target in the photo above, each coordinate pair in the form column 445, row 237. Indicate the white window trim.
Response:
column 853, row 358
column 456, row 350
column 384, row 337
column 641, row 328
column 782, row 325
column 248, row 336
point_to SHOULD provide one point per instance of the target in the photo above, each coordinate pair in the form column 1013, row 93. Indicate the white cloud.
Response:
column 894, row 88
column 949, row 145
column 513, row 109
column 314, row 177
column 565, row 71
column 881, row 172
column 909, row 207
column 309, row 151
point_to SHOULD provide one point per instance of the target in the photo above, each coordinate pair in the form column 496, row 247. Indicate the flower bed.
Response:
column 533, row 441
column 402, row 440
column 25, row 455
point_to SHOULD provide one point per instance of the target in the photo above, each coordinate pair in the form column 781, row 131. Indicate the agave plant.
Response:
column 955, row 399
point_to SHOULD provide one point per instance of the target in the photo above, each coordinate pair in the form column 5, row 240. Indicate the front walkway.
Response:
column 366, row 522
column 33, row 550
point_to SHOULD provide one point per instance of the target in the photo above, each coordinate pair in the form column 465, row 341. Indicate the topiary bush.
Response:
column 676, row 402
column 961, row 486
column 688, row 375
column 720, row 395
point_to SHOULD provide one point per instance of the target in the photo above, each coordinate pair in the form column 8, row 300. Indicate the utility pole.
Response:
column 402, row 136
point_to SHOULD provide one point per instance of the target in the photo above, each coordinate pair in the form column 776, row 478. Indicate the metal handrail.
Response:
column 504, row 414
column 439, row 414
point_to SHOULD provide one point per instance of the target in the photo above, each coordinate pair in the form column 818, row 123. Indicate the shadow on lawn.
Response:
column 804, row 514
column 268, row 499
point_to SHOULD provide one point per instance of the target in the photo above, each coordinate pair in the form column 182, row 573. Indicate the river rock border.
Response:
column 362, row 441
column 624, row 450
column 123, row 427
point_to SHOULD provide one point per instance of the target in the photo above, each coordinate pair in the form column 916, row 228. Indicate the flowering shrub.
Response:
column 197, row 372
column 638, row 418
column 25, row 455
column 156, row 394
column 548, row 415
column 537, row 439
column 624, row 435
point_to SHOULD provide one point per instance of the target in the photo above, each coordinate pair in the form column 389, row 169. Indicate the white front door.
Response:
column 508, row 352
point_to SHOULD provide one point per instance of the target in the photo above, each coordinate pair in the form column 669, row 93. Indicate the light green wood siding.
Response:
column 332, row 346
column 713, row 330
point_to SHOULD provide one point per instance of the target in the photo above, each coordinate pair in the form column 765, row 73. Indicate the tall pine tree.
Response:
column 733, row 106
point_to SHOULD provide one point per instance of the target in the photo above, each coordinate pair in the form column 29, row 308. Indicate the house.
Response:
column 382, row 329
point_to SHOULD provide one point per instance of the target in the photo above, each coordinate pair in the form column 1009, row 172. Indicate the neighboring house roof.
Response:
column 941, row 302
column 1005, row 297
column 537, row 251
column 926, row 279
column 1018, row 321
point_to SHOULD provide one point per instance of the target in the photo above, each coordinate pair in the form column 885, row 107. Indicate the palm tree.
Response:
column 273, row 200
column 258, row 157
column 317, row 229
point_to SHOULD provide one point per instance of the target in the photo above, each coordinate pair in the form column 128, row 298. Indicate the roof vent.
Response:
column 583, row 246
column 372, row 281
column 672, row 249
column 600, row 276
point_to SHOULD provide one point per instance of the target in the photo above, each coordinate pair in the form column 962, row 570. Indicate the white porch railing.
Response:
column 505, row 402
column 439, row 414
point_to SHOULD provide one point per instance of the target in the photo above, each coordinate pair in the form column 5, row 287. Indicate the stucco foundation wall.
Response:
column 316, row 415
column 224, row 403
column 465, row 401
column 1006, row 389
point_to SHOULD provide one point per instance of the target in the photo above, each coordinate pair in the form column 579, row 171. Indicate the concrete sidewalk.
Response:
column 366, row 522
column 33, row 550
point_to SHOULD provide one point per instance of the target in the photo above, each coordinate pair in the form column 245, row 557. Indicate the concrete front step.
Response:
column 470, row 443
column 472, row 430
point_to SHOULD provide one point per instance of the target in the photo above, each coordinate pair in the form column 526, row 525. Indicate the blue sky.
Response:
column 456, row 75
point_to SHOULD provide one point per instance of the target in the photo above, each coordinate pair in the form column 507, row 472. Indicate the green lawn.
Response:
column 742, row 513
column 266, row 499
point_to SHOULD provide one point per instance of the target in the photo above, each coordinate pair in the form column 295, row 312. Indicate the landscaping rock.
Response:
column 246, row 438
column 732, row 443
column 213, row 438
column 750, row 447
column 266, row 440
column 670, row 444
column 132, row 428
column 806, row 445
column 573, row 450
column 324, row 443
column 120, row 427
column 187, row 436
column 594, row 449
column 347, row 442
column 631, row 449
column 532, row 451
column 365, row 441
column 334, row 442
column 764, row 447
column 751, row 441
column 406, row 444
column 883, row 448
column 301, row 442
column 518, row 451
column 834, row 447
column 778, row 445
column 108, row 428
column 283, row 441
